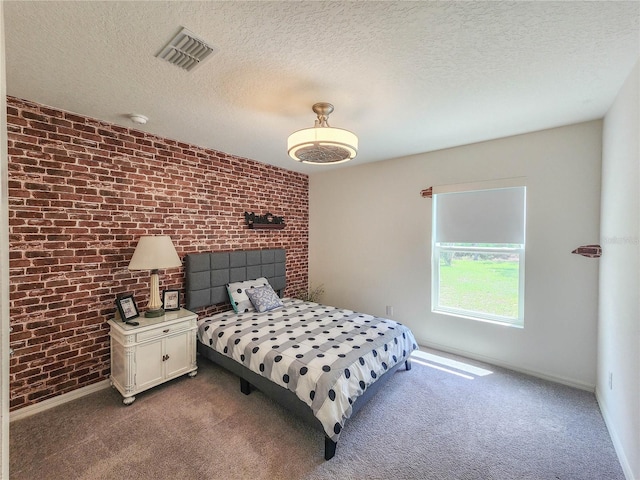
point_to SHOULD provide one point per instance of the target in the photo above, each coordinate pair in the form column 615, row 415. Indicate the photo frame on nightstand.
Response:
column 171, row 300
column 127, row 307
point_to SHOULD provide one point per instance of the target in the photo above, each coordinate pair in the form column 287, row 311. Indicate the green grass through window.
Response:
column 488, row 286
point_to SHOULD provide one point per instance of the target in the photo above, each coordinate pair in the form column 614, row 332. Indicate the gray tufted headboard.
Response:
column 207, row 274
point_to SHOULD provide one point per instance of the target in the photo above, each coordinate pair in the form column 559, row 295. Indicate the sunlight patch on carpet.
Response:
column 448, row 365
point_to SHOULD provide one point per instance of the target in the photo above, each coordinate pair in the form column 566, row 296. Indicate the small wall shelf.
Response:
column 267, row 221
column 266, row 226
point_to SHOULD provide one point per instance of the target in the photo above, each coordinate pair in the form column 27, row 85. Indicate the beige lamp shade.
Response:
column 154, row 252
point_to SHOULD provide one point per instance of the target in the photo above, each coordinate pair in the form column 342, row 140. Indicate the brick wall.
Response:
column 81, row 193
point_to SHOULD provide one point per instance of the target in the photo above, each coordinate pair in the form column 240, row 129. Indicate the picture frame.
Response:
column 171, row 300
column 127, row 307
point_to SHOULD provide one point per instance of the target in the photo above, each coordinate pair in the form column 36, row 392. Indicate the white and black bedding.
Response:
column 320, row 363
column 327, row 356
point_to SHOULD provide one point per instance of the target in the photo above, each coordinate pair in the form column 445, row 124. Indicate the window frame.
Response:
column 439, row 247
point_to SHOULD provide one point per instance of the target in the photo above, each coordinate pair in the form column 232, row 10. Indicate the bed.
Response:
column 320, row 362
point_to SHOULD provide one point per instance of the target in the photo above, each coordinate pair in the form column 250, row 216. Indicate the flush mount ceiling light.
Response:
column 322, row 144
column 139, row 119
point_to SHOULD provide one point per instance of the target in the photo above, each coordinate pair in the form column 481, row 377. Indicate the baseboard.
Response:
column 499, row 363
column 59, row 400
column 617, row 445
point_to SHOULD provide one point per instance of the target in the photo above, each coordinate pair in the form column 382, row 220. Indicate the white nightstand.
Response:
column 156, row 350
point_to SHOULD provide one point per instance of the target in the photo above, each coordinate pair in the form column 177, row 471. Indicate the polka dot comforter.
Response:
column 325, row 355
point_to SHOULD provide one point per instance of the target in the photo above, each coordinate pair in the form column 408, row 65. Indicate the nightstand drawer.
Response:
column 163, row 331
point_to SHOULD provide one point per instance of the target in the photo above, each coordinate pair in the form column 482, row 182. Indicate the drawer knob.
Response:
column 166, row 331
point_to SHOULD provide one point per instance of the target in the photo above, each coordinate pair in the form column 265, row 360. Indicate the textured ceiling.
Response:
column 406, row 77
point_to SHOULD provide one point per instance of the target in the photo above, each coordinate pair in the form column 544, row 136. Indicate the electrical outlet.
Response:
column 610, row 380
column 389, row 311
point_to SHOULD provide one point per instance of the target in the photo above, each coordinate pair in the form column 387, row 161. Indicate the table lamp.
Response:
column 154, row 252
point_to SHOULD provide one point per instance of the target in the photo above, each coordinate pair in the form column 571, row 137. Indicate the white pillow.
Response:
column 263, row 298
column 237, row 296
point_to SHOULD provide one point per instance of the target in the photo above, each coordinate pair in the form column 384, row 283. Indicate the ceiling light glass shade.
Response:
column 322, row 144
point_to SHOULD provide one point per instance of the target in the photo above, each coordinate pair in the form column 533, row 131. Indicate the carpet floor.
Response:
column 446, row 418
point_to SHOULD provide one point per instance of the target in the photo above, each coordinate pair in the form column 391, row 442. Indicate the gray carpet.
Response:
column 426, row 423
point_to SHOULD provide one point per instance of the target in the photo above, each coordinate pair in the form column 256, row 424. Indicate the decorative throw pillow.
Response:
column 237, row 296
column 264, row 298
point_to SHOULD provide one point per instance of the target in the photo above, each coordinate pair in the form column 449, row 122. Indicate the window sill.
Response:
column 479, row 319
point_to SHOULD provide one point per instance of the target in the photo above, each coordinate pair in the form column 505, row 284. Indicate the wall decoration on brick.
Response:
column 81, row 193
column 264, row 222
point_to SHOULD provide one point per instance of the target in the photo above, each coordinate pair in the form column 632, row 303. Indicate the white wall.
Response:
column 619, row 310
column 370, row 235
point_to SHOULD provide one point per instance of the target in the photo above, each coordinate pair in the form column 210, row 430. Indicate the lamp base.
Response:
column 154, row 313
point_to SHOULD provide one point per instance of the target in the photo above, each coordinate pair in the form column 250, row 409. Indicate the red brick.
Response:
column 81, row 193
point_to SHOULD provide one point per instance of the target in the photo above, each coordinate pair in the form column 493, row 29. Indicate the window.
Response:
column 478, row 246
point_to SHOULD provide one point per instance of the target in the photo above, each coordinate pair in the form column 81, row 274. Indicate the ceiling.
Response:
column 406, row 77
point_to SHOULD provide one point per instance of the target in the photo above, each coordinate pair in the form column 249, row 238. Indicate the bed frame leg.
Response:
column 245, row 386
column 329, row 448
column 407, row 364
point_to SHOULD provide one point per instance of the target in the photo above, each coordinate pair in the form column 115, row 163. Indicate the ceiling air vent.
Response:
column 186, row 50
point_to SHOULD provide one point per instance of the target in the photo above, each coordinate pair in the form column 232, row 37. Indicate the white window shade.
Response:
column 495, row 215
